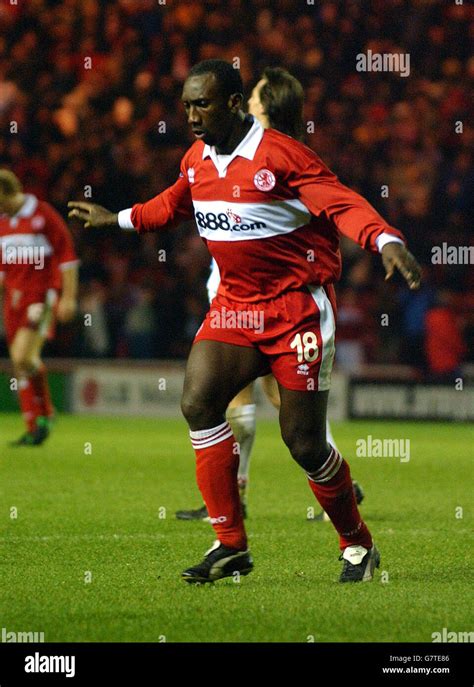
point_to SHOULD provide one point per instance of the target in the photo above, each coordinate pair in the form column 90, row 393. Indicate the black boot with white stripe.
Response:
column 220, row 561
column 359, row 563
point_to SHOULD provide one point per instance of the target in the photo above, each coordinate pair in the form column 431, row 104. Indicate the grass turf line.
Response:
column 111, row 514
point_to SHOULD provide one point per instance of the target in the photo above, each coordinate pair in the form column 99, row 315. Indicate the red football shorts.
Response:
column 34, row 311
column 295, row 331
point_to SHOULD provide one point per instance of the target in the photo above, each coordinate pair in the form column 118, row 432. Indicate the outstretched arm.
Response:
column 354, row 217
column 167, row 209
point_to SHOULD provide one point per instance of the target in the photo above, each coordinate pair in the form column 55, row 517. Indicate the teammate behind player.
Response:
column 290, row 207
column 277, row 102
column 37, row 260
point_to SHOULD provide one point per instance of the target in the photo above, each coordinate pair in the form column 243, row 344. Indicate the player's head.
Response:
column 277, row 102
column 213, row 97
column 10, row 192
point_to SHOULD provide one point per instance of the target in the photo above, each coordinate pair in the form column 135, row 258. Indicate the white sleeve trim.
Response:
column 385, row 238
column 125, row 219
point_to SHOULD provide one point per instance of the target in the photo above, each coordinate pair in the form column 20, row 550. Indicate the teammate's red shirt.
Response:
column 35, row 245
column 270, row 214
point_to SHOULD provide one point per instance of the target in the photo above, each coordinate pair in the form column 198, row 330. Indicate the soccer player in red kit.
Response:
column 37, row 261
column 270, row 213
column 277, row 102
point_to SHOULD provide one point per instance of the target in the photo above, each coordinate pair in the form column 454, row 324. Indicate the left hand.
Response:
column 396, row 256
column 67, row 308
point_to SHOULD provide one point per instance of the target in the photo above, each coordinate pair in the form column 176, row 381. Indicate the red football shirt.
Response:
column 35, row 245
column 270, row 214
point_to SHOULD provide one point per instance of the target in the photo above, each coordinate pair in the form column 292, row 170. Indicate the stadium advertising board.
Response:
column 409, row 401
column 98, row 390
column 156, row 391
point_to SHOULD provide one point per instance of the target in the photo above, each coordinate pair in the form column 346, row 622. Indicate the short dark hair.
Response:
column 227, row 77
column 10, row 185
column 282, row 97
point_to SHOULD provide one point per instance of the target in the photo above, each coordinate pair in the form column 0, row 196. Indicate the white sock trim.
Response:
column 204, row 433
column 328, row 469
column 203, row 438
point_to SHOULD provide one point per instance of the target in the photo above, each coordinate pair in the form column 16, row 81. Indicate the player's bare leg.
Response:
column 303, row 428
column 241, row 414
column 33, row 391
column 215, row 373
column 272, row 392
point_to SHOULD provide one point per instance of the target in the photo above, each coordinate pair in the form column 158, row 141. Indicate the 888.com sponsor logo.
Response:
column 221, row 221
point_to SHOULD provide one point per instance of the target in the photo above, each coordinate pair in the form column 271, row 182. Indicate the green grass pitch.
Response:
column 91, row 550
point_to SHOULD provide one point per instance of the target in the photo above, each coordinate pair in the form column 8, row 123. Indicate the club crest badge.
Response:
column 264, row 180
column 37, row 223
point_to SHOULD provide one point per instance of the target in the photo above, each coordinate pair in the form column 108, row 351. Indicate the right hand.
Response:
column 92, row 215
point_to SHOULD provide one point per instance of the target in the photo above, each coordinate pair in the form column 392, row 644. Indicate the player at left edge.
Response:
column 39, row 283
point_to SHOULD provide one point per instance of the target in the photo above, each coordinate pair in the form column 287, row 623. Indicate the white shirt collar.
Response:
column 246, row 148
column 28, row 207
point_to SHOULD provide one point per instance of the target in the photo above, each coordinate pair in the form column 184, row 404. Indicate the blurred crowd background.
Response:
column 114, row 133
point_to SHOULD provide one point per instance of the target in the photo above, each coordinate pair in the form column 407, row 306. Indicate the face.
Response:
column 255, row 104
column 210, row 115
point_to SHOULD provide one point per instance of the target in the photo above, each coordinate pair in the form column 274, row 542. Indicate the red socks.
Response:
column 332, row 486
column 39, row 381
column 216, row 469
column 27, row 404
column 35, row 398
column 217, row 463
